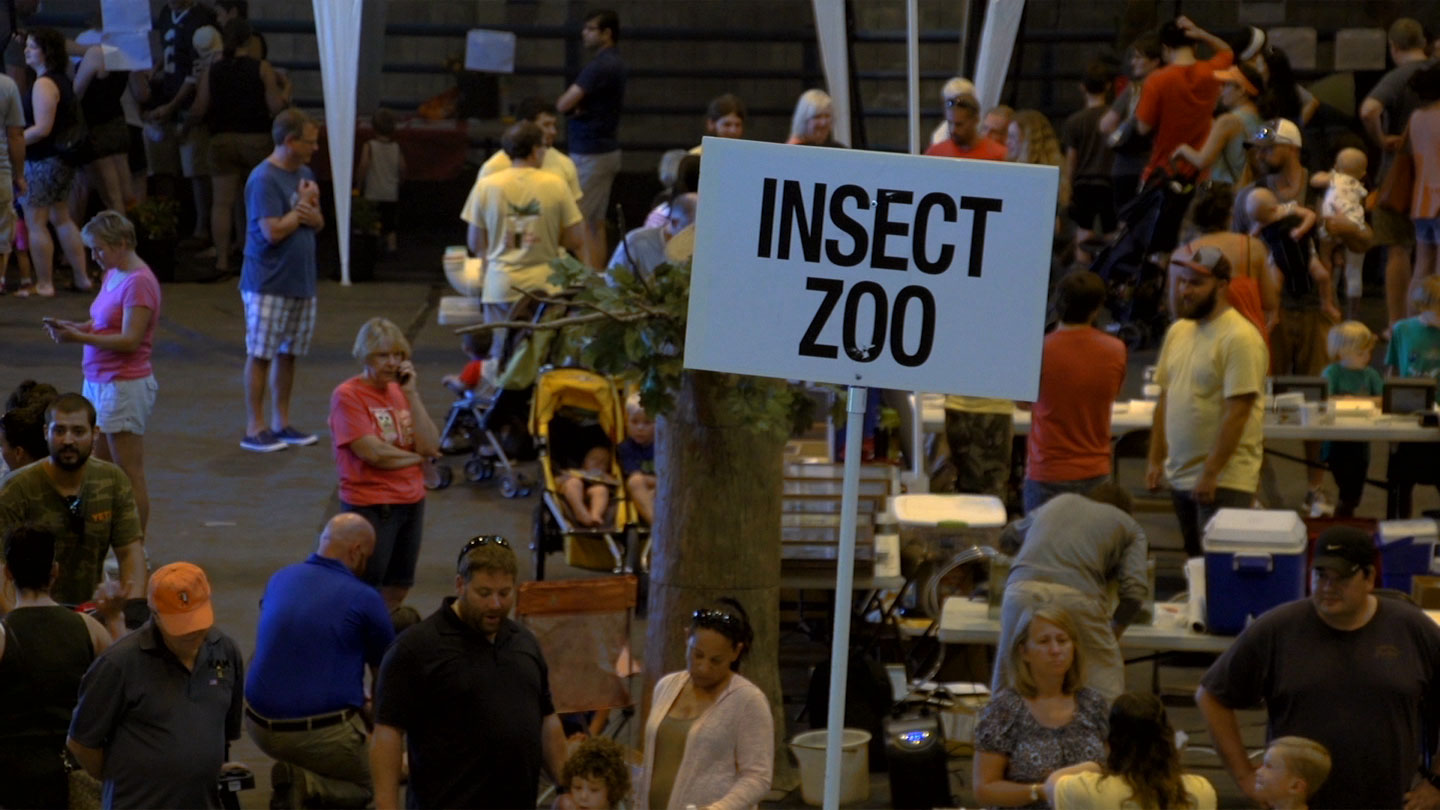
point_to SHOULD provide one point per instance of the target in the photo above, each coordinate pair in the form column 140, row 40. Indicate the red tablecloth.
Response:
column 434, row 151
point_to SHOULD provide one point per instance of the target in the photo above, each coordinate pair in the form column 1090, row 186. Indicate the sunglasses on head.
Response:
column 705, row 617
column 960, row 101
column 476, row 542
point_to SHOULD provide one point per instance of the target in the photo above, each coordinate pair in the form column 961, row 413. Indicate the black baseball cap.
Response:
column 1344, row 550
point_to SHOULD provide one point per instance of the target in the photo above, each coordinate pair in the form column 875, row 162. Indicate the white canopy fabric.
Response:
column 997, row 43
column 834, row 58
column 337, row 30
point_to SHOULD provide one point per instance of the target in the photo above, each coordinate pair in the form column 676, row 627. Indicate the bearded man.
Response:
column 1206, row 441
column 467, row 694
column 88, row 505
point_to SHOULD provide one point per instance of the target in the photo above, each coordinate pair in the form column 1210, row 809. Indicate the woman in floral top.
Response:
column 1042, row 720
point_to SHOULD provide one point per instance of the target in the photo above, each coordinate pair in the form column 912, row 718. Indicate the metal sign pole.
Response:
column 844, row 585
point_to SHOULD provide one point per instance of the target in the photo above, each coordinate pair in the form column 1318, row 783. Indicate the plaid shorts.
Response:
column 275, row 324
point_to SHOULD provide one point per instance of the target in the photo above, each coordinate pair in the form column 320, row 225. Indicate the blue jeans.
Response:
column 1036, row 493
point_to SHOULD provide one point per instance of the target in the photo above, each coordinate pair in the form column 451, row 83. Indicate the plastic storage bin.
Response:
column 934, row 528
column 1407, row 548
column 1254, row 560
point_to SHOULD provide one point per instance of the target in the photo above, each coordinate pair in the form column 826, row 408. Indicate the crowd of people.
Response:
column 142, row 682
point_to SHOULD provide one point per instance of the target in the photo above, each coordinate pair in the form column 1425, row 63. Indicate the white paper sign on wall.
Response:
column 490, row 51
column 863, row 268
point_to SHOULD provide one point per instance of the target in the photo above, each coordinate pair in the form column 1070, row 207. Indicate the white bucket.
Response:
column 809, row 750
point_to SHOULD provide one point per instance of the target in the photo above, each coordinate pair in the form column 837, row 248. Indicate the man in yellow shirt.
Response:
column 542, row 114
column 519, row 218
column 1206, row 441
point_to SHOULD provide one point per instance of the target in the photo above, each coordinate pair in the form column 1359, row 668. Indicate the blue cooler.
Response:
column 1254, row 560
column 1407, row 548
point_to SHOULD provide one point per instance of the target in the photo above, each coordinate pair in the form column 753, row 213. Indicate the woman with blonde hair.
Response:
column 383, row 439
column 1044, row 718
column 811, row 124
column 1032, row 140
column 119, row 380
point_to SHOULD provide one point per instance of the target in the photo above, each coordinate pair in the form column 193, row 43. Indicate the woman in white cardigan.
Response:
column 710, row 739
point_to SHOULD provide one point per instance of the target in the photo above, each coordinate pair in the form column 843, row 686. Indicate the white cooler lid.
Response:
column 977, row 511
column 1278, row 531
column 1420, row 530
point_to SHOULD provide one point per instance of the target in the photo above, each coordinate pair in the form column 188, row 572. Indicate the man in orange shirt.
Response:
column 1177, row 102
column 1081, row 372
column 962, row 111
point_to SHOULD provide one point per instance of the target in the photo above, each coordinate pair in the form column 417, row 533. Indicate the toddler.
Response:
column 1350, row 375
column 596, row 775
column 587, row 489
column 1414, row 351
column 1293, row 769
column 476, row 346
column 1345, row 198
column 637, row 458
column 382, row 165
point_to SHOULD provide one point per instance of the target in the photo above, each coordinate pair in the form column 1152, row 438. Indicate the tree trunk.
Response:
column 717, row 533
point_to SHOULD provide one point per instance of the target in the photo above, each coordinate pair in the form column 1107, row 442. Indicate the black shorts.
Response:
column 1090, row 202
column 398, row 528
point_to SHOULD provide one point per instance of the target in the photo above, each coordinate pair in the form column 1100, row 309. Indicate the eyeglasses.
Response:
column 476, row 542
column 705, row 617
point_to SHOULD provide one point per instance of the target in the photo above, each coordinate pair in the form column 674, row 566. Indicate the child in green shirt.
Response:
column 1415, row 352
column 1351, row 345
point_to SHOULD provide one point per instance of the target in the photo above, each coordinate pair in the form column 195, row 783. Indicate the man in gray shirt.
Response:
column 1385, row 112
column 158, row 710
column 1067, row 553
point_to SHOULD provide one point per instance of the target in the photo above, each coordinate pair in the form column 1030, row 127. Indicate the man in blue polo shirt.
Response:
column 320, row 626
column 593, row 104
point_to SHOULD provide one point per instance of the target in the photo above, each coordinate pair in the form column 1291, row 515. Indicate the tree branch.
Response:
column 558, row 323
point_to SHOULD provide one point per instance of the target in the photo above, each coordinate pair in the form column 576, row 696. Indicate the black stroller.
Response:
column 1135, row 284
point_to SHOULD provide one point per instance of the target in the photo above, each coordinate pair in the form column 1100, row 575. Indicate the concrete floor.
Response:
column 242, row 515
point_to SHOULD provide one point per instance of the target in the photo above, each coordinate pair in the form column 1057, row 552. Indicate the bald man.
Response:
column 305, row 697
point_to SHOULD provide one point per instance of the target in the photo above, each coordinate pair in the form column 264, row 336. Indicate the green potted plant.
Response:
column 157, row 230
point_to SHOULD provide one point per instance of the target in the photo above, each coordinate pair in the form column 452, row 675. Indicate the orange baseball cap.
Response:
column 180, row 597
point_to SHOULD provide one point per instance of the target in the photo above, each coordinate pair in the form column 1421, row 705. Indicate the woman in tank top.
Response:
column 1224, row 150
column 50, row 118
column 1255, row 282
column 45, row 649
column 99, row 91
column 240, row 137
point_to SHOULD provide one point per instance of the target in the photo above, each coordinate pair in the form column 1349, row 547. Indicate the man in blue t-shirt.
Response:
column 320, row 627
column 593, row 103
column 277, row 281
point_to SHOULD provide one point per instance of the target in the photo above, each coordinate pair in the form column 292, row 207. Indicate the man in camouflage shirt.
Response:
column 86, row 502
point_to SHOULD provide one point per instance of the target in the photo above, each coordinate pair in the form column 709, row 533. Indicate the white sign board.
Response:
column 863, row 268
column 126, row 50
column 490, row 51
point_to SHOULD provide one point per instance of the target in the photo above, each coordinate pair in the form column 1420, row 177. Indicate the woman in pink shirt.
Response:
column 710, row 739
column 1424, row 140
column 118, row 379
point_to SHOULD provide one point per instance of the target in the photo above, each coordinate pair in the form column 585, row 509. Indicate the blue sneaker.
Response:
column 263, row 442
column 290, row 435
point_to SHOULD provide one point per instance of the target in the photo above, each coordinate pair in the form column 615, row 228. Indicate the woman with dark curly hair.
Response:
column 596, row 775
column 710, row 739
column 1142, row 766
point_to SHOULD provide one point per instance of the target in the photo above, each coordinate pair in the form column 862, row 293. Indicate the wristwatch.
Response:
column 1035, row 792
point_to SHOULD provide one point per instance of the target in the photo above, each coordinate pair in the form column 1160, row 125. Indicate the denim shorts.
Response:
column 122, row 406
column 1427, row 230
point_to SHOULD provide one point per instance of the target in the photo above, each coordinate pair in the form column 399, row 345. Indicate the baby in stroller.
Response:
column 585, row 479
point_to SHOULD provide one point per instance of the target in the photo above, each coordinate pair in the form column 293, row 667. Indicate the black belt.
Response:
column 300, row 724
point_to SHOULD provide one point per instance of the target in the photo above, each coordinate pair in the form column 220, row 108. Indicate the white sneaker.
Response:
column 1318, row 506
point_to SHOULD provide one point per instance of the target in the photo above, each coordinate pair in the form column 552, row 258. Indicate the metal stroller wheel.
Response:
column 475, row 470
column 509, row 487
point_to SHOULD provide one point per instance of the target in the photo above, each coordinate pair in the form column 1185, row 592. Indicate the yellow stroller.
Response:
column 571, row 409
